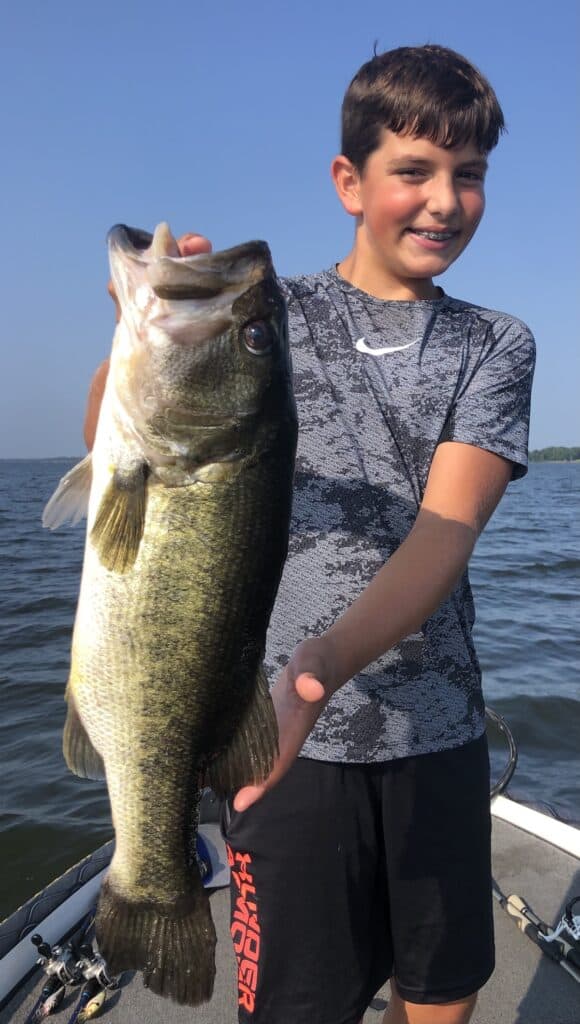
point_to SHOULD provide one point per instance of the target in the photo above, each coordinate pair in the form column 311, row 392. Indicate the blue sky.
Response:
column 223, row 118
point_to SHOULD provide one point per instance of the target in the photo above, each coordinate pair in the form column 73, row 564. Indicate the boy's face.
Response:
column 417, row 206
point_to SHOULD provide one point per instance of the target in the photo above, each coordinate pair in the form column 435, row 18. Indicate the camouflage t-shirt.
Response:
column 378, row 385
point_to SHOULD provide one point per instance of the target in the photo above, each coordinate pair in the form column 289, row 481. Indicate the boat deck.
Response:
column 527, row 988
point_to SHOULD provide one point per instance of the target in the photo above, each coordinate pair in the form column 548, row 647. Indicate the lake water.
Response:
column 526, row 582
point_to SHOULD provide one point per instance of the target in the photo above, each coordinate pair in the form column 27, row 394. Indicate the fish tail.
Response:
column 172, row 944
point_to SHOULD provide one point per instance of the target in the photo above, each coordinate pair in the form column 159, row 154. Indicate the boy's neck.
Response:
column 372, row 279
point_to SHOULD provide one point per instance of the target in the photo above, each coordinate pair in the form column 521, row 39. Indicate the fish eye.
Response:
column 257, row 337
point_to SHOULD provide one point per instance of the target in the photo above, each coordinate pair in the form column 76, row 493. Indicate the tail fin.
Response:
column 173, row 945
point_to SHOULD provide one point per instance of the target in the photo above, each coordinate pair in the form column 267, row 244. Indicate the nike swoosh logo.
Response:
column 361, row 346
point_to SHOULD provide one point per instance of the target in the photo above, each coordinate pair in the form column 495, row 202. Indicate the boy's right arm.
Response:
column 189, row 245
column 95, row 398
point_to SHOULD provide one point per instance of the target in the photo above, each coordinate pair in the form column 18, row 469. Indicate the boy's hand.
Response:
column 189, row 244
column 299, row 695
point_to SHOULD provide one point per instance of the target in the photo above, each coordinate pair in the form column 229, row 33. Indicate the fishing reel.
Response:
column 93, row 968
column 97, row 982
column 569, row 923
column 58, row 962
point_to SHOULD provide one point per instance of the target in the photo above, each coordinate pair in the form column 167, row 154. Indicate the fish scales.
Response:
column 152, row 628
column 178, row 585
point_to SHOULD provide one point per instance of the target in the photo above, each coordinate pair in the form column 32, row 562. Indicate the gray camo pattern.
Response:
column 369, row 426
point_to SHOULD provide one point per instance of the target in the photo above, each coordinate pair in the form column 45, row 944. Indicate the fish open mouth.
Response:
column 131, row 240
column 202, row 276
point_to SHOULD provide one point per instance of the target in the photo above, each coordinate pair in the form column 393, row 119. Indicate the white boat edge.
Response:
column 22, row 958
column 543, row 826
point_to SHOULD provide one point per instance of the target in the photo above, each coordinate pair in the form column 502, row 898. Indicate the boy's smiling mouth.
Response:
column 431, row 238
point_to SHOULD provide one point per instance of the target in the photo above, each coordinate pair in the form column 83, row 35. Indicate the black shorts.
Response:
column 344, row 875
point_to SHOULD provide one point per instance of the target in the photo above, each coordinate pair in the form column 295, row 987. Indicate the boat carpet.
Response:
column 526, row 988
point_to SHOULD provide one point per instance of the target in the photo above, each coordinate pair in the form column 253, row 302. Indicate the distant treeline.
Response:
column 555, row 455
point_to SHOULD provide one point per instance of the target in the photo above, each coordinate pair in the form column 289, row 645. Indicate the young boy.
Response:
column 368, row 856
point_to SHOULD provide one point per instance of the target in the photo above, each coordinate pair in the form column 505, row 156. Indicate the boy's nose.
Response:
column 443, row 200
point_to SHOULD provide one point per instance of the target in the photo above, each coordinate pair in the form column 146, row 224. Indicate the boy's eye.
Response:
column 418, row 174
column 414, row 174
column 472, row 175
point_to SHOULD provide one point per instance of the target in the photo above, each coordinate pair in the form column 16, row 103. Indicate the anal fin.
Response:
column 79, row 753
column 249, row 757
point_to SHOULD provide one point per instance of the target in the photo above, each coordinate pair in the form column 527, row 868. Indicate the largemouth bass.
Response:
column 190, row 484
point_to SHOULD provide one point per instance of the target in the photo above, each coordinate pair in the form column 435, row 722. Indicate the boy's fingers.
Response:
column 113, row 294
column 295, row 724
column 309, row 688
column 248, row 796
column 191, row 244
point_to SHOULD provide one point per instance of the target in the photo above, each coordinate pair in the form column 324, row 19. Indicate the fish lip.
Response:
column 200, row 276
column 131, row 241
column 209, row 274
column 135, row 241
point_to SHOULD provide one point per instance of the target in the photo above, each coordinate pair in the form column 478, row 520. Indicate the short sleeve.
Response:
column 285, row 285
column 492, row 407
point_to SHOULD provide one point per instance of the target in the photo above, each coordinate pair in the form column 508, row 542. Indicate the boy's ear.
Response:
column 346, row 180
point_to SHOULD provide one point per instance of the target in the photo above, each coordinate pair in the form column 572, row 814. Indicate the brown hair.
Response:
column 428, row 91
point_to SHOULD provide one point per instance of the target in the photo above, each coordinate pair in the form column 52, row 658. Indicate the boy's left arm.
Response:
column 464, row 487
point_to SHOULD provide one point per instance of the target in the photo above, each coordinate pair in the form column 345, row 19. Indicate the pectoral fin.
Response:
column 120, row 520
column 79, row 753
column 249, row 758
column 71, row 498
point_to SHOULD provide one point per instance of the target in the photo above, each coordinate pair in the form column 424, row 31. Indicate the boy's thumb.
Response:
column 309, row 688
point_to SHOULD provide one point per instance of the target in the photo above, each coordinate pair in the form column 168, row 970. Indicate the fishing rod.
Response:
column 562, row 944
column 98, row 981
column 60, row 964
column 554, row 943
column 502, row 727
